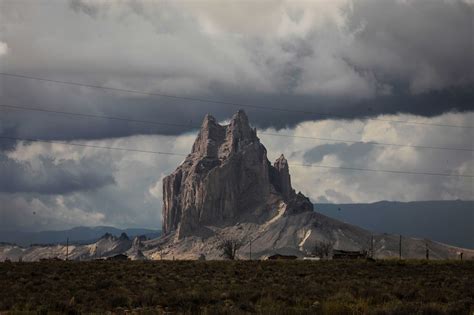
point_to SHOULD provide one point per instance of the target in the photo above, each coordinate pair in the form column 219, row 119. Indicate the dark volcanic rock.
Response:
column 226, row 179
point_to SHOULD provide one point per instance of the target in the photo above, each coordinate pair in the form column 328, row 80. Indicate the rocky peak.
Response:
column 124, row 237
column 282, row 181
column 281, row 163
column 107, row 236
column 240, row 128
column 210, row 136
column 238, row 135
column 219, row 142
column 226, row 179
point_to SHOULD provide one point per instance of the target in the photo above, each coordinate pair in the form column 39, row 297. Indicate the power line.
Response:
column 384, row 171
column 97, row 116
column 90, row 146
column 211, row 101
column 261, row 133
column 291, row 164
column 369, row 142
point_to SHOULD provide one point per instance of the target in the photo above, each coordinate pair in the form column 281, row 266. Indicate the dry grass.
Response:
column 210, row 287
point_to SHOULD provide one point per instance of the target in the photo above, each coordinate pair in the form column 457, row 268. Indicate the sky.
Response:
column 340, row 69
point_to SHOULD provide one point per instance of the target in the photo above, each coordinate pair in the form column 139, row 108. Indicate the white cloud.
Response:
column 31, row 213
column 135, row 198
column 368, row 186
column 156, row 189
column 3, row 48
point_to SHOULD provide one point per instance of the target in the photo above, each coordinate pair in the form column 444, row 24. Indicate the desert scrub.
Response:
column 239, row 287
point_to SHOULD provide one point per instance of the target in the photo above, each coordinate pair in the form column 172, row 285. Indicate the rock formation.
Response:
column 226, row 179
column 227, row 189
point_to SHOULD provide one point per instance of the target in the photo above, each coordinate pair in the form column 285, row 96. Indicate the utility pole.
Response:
column 250, row 250
column 400, row 248
column 427, row 251
column 67, row 248
column 372, row 246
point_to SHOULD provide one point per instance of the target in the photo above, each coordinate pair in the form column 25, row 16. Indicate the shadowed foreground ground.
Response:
column 290, row 287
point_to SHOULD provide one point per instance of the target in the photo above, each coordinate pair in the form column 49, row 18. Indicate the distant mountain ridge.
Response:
column 106, row 246
column 450, row 222
column 82, row 235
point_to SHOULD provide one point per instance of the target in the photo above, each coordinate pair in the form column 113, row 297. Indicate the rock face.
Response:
column 226, row 179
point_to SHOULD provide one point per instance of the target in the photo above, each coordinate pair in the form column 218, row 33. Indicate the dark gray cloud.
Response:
column 343, row 59
column 49, row 176
column 322, row 59
column 183, row 116
column 427, row 45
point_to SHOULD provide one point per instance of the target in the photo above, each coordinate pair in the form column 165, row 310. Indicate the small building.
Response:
column 119, row 257
column 281, row 257
column 312, row 258
column 347, row 254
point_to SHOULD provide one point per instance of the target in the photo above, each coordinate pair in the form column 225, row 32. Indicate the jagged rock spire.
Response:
column 240, row 126
column 209, row 137
column 283, row 178
column 216, row 141
column 226, row 179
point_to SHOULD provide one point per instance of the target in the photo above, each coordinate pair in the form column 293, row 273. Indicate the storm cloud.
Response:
column 50, row 176
column 322, row 59
column 337, row 69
